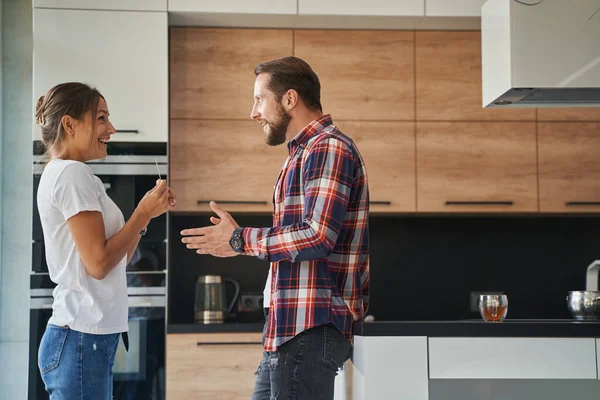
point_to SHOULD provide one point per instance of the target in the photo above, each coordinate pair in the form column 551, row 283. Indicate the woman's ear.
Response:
column 68, row 124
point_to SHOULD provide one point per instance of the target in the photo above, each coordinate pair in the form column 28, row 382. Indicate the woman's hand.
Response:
column 158, row 200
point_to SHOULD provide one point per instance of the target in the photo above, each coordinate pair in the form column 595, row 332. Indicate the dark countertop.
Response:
column 215, row 328
column 480, row 328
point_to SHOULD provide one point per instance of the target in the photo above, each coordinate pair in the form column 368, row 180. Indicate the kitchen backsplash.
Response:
column 424, row 268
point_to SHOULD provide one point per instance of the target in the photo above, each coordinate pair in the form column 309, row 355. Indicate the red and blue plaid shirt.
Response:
column 319, row 243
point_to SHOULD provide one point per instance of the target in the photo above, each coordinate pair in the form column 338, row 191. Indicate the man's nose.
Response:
column 254, row 114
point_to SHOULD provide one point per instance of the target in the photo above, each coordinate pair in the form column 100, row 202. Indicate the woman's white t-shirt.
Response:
column 81, row 302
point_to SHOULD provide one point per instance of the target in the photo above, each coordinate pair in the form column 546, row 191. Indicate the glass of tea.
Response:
column 493, row 307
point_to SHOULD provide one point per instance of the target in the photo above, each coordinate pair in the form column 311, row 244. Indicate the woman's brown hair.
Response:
column 71, row 98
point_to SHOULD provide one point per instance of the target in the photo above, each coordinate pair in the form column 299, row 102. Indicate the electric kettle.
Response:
column 211, row 306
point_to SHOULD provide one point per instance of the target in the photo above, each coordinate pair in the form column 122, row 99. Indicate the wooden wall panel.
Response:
column 448, row 83
column 364, row 75
column 212, row 69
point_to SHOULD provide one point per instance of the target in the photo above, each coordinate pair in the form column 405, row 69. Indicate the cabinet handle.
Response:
column 231, row 202
column 225, row 343
column 479, row 203
column 127, row 131
column 582, row 203
column 381, row 203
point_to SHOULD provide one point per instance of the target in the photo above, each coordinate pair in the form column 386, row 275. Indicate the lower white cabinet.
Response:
column 389, row 368
column 598, row 356
column 512, row 358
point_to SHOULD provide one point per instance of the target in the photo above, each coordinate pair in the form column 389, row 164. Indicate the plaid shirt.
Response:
column 319, row 243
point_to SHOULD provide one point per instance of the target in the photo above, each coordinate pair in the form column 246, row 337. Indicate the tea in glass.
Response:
column 493, row 307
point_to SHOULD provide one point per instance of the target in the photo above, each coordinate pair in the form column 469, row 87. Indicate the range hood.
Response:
column 540, row 53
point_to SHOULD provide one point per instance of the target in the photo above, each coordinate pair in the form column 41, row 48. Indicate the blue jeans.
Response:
column 303, row 368
column 76, row 365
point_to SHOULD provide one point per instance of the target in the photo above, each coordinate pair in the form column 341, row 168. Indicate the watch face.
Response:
column 237, row 244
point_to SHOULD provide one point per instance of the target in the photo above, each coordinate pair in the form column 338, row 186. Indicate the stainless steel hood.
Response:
column 541, row 53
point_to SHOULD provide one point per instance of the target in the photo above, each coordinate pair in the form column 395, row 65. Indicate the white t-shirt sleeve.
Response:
column 75, row 191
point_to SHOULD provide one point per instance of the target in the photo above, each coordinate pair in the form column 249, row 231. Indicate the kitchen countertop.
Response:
column 479, row 328
column 227, row 327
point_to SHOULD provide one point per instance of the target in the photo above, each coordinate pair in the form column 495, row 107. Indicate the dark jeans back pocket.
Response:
column 336, row 347
column 51, row 348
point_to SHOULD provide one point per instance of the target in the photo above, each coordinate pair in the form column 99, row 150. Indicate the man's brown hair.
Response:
column 292, row 73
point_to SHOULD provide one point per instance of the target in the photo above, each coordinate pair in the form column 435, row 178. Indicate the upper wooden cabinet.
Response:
column 212, row 366
column 448, row 87
column 388, row 149
column 454, row 8
column 125, row 5
column 460, row 165
column 364, row 75
column 224, row 161
column 123, row 54
column 569, row 114
column 212, row 70
column 413, row 8
column 235, row 6
column 569, row 167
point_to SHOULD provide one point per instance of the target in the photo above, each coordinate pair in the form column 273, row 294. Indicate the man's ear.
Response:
column 68, row 124
column 290, row 99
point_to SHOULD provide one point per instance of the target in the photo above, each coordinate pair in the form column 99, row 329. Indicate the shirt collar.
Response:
column 310, row 130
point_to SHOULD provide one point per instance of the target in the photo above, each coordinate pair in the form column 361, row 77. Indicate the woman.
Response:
column 88, row 244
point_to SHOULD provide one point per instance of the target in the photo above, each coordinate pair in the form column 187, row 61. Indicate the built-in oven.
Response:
column 128, row 172
column 138, row 373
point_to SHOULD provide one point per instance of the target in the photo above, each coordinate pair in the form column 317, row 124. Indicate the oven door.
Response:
column 138, row 373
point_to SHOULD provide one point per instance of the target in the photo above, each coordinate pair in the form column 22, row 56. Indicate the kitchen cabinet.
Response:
column 412, row 8
column 598, row 356
column 454, row 8
column 388, row 149
column 512, row 358
column 235, row 6
column 125, row 5
column 212, row 70
column 122, row 53
column 212, row 366
column 364, row 75
column 448, row 79
column 568, row 114
column 569, row 166
column 391, row 367
column 476, row 167
column 224, row 161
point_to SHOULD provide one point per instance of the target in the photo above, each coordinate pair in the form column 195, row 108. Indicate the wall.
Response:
column 17, row 50
column 424, row 268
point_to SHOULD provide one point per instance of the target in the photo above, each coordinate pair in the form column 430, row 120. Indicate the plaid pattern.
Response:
column 319, row 243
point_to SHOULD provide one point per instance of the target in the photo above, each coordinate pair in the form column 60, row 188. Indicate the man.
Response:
column 318, row 245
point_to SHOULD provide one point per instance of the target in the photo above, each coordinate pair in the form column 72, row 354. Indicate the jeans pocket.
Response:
column 51, row 348
column 336, row 347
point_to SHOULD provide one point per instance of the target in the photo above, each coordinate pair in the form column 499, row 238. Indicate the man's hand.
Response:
column 213, row 240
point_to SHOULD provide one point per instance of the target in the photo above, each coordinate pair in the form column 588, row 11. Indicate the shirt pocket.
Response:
column 51, row 348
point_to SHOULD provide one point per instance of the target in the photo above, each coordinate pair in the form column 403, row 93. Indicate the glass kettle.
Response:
column 211, row 306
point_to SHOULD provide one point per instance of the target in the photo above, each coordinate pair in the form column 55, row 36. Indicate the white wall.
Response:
column 16, row 196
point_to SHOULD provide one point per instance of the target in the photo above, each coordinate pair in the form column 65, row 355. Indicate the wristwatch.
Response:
column 237, row 240
column 143, row 231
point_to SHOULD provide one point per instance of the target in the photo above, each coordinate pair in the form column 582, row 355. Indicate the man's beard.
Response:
column 277, row 131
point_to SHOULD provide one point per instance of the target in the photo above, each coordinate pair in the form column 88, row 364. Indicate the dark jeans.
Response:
column 304, row 368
